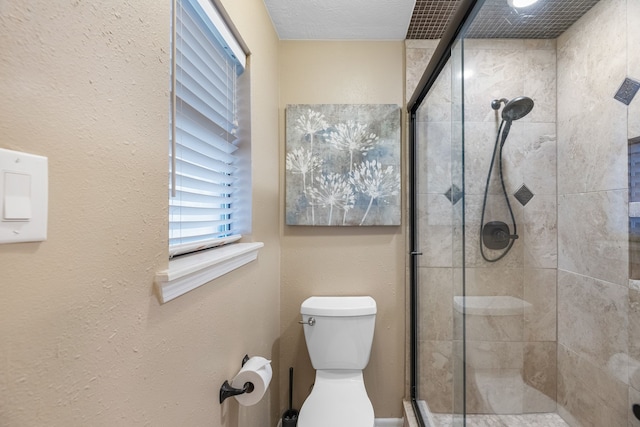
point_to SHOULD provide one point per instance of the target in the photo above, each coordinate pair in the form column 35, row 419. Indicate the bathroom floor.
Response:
column 525, row 420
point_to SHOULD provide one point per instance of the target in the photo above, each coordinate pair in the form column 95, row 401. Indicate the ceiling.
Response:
column 340, row 19
column 417, row 19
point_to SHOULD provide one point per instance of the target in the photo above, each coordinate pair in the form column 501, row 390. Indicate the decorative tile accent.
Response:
column 454, row 194
column 524, row 195
column 627, row 91
column 496, row 19
column 430, row 18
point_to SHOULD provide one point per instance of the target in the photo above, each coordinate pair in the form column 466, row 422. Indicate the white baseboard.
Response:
column 388, row 422
column 380, row 422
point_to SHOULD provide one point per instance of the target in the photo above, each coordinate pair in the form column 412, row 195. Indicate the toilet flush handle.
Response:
column 311, row 321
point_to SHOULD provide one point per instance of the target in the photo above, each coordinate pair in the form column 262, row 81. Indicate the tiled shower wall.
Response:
column 513, row 360
column 510, row 358
column 598, row 310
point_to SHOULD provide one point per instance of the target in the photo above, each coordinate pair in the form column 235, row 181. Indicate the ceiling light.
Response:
column 521, row 3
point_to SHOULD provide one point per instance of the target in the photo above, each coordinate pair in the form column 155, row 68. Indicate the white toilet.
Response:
column 339, row 334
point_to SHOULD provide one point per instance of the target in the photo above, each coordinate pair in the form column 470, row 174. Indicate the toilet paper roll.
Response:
column 257, row 371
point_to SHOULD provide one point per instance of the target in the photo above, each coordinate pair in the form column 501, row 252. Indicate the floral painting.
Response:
column 342, row 165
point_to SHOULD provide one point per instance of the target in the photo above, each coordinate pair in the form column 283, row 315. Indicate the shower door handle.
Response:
column 415, row 253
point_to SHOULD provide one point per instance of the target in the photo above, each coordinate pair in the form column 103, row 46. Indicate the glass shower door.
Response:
column 438, row 191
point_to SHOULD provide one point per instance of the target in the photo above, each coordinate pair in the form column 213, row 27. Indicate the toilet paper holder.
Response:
column 227, row 391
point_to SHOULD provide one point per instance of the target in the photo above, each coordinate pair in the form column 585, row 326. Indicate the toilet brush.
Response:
column 290, row 416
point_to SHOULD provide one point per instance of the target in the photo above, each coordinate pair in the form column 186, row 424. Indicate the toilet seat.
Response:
column 338, row 399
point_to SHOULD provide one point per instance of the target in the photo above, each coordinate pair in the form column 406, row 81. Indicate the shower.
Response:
column 497, row 331
column 496, row 234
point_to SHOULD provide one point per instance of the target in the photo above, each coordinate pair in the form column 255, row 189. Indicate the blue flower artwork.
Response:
column 342, row 165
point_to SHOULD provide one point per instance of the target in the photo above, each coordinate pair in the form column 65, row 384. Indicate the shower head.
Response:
column 517, row 108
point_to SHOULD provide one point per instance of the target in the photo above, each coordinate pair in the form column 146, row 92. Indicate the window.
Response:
column 209, row 201
column 208, row 61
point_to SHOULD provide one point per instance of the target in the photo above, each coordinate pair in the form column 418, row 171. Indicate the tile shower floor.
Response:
column 525, row 420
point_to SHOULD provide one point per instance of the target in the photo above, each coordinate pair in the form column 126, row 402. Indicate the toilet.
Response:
column 339, row 334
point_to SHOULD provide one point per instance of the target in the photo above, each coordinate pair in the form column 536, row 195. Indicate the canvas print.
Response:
column 342, row 165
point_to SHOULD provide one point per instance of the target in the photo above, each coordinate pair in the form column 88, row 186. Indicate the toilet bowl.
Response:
column 339, row 333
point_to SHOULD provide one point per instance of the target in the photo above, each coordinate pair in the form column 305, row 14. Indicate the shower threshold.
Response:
column 486, row 420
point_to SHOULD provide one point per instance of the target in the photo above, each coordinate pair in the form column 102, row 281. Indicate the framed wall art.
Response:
column 342, row 165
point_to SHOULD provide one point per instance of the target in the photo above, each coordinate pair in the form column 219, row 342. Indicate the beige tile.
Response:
column 540, row 84
column 458, row 246
column 417, row 58
column 435, row 231
column 436, row 375
column 633, row 66
column 540, row 291
column 591, row 139
column 493, row 73
column 494, row 44
column 495, row 355
column 634, row 339
column 434, row 166
column 539, row 232
column 592, row 320
column 435, row 304
column 540, row 44
column 528, row 157
column 437, row 106
column 495, row 391
column 495, row 281
column 421, row 44
column 538, row 147
column 588, row 395
column 590, row 147
column 494, row 328
column 593, row 235
column 459, row 378
column 479, row 144
column 539, row 374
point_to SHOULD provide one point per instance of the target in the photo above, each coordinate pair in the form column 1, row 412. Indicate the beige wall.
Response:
column 349, row 260
column 84, row 340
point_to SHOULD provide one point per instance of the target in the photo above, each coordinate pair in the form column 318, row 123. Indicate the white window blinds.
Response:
column 207, row 63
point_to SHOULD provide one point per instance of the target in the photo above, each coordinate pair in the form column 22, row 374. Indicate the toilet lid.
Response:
column 337, row 403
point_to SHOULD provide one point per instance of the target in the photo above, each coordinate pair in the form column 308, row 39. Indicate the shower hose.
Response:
column 504, row 130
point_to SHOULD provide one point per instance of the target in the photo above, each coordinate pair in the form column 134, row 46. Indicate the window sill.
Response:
column 191, row 271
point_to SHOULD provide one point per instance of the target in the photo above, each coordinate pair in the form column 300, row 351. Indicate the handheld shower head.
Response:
column 517, row 108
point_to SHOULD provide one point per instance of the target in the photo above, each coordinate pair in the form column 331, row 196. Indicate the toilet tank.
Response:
column 341, row 332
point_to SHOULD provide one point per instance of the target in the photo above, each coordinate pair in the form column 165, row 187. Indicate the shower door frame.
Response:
column 440, row 58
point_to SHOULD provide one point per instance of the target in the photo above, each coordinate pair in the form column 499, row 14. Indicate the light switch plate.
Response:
column 24, row 197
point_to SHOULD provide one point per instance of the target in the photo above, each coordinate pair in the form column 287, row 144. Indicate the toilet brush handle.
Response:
column 291, row 388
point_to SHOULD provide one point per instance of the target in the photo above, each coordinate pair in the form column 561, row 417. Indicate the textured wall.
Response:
column 345, row 260
column 84, row 340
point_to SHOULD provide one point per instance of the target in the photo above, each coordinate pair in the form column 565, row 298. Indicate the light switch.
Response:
column 17, row 197
column 24, row 193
